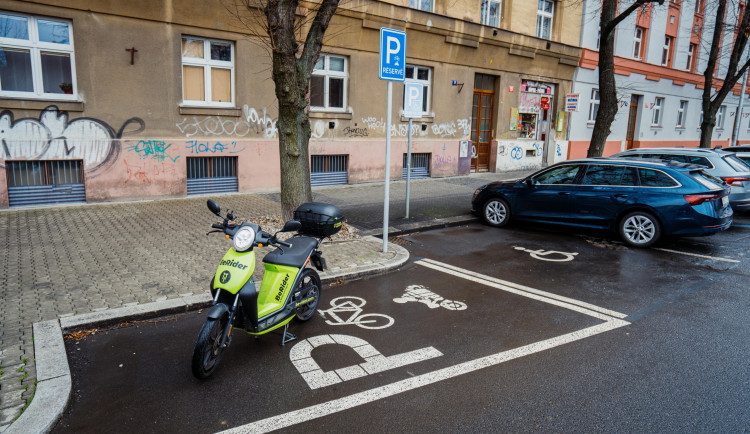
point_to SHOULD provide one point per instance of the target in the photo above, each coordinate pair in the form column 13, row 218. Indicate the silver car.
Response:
column 719, row 163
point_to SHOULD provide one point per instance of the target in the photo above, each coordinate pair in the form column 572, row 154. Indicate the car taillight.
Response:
column 736, row 182
column 697, row 199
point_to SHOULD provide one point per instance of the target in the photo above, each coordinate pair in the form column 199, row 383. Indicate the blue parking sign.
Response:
column 392, row 54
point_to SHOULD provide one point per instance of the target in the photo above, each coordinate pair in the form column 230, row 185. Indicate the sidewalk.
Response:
column 82, row 265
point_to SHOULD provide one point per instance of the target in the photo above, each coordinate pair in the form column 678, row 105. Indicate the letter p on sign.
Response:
column 413, row 100
column 393, row 46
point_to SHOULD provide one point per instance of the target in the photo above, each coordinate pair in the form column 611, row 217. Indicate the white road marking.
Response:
column 612, row 320
column 337, row 405
column 715, row 258
column 525, row 291
column 375, row 362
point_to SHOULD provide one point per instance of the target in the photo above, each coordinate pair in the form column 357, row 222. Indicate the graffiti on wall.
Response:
column 153, row 150
column 251, row 122
column 53, row 137
column 148, row 172
column 198, row 147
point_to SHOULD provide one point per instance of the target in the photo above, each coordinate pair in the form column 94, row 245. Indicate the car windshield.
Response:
column 708, row 181
column 736, row 163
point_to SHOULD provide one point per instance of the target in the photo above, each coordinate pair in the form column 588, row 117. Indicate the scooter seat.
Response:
column 294, row 256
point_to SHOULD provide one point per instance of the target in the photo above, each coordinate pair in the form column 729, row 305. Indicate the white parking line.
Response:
column 612, row 320
column 715, row 258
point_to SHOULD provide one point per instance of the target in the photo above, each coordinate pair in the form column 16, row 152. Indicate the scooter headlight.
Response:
column 244, row 239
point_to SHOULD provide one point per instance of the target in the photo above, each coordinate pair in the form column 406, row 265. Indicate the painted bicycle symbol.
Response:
column 347, row 310
column 548, row 255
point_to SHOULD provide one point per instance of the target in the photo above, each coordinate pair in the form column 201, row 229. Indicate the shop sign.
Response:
column 571, row 102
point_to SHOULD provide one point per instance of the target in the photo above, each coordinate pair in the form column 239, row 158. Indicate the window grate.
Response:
column 211, row 175
column 420, row 166
column 329, row 170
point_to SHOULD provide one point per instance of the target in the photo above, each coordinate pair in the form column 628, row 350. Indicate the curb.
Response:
column 422, row 226
column 54, row 382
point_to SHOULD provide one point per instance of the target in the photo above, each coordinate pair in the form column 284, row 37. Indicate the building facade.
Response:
column 660, row 55
column 105, row 101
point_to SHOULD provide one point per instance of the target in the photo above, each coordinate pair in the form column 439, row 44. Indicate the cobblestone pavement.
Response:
column 67, row 260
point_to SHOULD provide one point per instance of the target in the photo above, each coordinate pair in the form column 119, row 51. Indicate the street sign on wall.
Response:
column 392, row 54
column 413, row 100
column 571, row 102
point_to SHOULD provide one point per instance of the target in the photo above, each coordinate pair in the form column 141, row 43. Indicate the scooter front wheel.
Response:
column 310, row 285
column 207, row 352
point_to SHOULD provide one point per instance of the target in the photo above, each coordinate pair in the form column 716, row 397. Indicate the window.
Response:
column 655, row 178
column 698, row 6
column 599, row 38
column 544, row 15
column 207, row 72
column 658, row 107
column 559, row 175
column 36, row 57
column 690, row 57
column 424, row 5
column 638, row 42
column 599, row 174
column 328, row 83
column 666, row 60
column 720, row 115
column 681, row 113
column 423, row 76
column 594, row 105
column 491, row 12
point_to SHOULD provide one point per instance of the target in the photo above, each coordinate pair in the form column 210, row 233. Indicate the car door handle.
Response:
column 563, row 193
column 621, row 195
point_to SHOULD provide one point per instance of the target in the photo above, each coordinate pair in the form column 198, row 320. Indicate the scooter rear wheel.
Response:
column 310, row 284
column 207, row 352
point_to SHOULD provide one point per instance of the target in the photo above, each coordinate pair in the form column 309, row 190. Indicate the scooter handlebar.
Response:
column 283, row 243
column 217, row 226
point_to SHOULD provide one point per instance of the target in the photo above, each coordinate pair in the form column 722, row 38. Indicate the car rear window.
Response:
column 708, row 181
column 655, row 178
column 603, row 174
column 736, row 163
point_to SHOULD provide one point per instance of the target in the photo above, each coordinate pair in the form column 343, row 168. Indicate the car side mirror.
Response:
column 214, row 207
column 529, row 182
column 291, row 226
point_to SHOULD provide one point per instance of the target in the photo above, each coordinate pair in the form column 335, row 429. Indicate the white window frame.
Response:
column 593, row 105
column 207, row 63
column 427, row 84
column 666, row 50
column 681, row 113
column 35, row 48
column 721, row 115
column 422, row 5
column 656, row 117
column 542, row 16
column 485, row 12
column 327, row 74
column 638, row 42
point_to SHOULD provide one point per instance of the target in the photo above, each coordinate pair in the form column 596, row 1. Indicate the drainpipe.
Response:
column 736, row 130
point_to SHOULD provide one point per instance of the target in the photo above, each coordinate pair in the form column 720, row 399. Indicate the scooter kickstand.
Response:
column 286, row 336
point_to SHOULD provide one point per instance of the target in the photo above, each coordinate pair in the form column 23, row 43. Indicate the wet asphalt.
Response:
column 678, row 364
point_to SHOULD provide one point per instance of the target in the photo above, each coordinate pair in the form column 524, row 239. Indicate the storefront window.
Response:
column 527, row 123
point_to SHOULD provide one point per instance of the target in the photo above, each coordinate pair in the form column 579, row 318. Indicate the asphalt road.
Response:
column 517, row 329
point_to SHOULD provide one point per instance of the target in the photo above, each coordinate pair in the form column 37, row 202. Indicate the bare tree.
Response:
column 735, row 69
column 282, row 24
column 607, row 87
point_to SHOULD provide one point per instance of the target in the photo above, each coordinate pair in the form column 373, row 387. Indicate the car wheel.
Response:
column 640, row 229
column 496, row 212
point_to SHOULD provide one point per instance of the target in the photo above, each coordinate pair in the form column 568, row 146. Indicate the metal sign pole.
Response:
column 386, row 200
column 408, row 169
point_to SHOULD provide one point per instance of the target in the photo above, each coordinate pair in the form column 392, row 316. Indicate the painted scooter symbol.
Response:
column 543, row 255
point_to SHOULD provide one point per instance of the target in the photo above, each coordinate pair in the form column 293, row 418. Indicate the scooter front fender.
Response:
column 218, row 311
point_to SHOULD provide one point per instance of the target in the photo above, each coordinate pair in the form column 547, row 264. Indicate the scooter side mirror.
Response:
column 291, row 226
column 214, row 207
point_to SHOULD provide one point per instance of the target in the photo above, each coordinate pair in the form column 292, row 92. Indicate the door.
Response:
column 547, row 197
column 632, row 118
column 605, row 190
column 482, row 121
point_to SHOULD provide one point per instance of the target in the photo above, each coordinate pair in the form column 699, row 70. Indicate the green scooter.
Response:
column 287, row 291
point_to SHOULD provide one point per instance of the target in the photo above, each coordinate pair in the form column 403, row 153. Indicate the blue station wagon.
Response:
column 640, row 199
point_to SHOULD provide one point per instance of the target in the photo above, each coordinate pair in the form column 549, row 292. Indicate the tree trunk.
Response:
column 607, row 86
